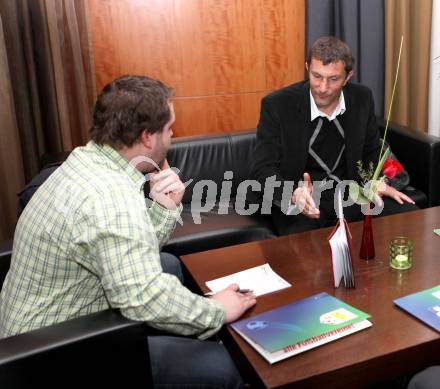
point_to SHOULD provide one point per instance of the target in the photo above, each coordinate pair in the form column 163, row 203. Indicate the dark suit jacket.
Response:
column 283, row 133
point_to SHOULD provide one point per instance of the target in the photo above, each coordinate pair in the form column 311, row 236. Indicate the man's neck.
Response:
column 135, row 155
column 330, row 112
column 330, row 109
column 127, row 153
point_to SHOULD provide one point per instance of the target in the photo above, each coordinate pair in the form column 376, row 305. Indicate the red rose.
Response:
column 391, row 168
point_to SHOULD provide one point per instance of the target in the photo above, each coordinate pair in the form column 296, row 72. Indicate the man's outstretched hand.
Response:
column 388, row 191
column 302, row 197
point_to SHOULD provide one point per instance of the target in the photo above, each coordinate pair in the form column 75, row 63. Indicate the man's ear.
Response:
column 146, row 139
column 349, row 75
column 307, row 66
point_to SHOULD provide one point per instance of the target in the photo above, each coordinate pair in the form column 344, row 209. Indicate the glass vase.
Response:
column 367, row 244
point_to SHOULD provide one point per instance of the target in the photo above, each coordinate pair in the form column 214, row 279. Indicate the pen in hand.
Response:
column 243, row 291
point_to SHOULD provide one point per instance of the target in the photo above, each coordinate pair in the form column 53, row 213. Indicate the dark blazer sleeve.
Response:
column 371, row 147
column 268, row 150
column 362, row 133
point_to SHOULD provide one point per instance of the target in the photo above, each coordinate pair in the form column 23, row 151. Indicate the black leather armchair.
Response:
column 103, row 348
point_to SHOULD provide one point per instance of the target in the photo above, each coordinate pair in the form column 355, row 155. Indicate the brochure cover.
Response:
column 300, row 326
column 424, row 305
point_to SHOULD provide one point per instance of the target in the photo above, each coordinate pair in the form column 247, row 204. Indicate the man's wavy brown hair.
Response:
column 329, row 49
column 126, row 107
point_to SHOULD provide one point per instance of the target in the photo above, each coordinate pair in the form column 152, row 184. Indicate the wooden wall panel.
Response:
column 284, row 42
column 219, row 113
column 221, row 56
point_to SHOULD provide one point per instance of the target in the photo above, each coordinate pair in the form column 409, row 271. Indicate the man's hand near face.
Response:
column 302, row 197
column 166, row 187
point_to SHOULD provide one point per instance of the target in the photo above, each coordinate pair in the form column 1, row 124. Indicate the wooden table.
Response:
column 397, row 343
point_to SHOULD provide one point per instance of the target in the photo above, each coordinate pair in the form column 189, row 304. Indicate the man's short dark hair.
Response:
column 329, row 49
column 126, row 107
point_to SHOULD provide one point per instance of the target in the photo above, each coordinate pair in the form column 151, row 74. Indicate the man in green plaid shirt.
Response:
column 88, row 241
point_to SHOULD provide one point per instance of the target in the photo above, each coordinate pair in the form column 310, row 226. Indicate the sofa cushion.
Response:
column 216, row 230
column 243, row 145
column 214, row 166
column 419, row 153
column 417, row 195
column 201, row 161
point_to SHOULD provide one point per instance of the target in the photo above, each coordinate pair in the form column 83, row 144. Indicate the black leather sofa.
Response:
column 215, row 204
column 209, row 157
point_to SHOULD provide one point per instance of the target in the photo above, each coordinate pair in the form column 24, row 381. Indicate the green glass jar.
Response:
column 401, row 253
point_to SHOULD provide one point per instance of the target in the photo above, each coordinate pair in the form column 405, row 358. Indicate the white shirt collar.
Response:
column 315, row 112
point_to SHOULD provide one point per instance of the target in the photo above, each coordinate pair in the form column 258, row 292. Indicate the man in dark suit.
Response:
column 314, row 133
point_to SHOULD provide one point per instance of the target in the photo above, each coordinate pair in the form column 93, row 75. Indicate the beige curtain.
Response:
column 412, row 19
column 11, row 167
column 47, row 82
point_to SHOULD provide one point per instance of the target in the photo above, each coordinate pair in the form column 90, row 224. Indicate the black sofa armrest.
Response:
column 53, row 159
column 5, row 259
column 420, row 155
column 103, row 347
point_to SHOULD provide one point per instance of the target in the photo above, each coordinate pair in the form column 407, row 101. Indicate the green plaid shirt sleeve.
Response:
column 87, row 241
column 164, row 221
column 137, row 285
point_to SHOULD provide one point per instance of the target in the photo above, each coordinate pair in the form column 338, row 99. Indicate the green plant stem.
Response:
column 391, row 101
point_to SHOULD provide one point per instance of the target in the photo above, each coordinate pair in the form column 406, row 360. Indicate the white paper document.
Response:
column 341, row 251
column 260, row 279
column 341, row 256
